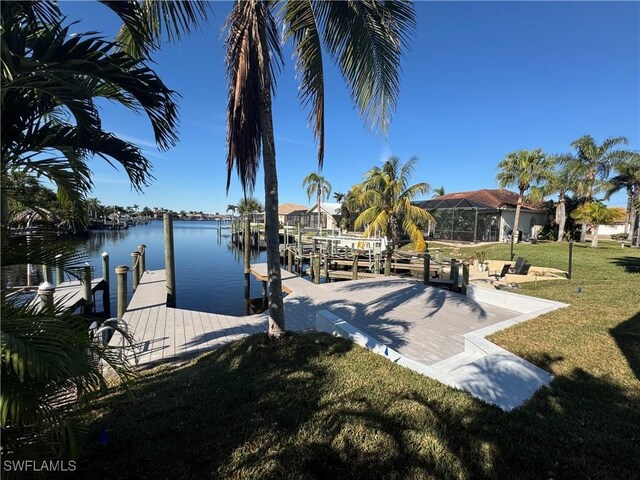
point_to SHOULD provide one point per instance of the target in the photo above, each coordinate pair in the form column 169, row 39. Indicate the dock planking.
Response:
column 423, row 323
column 68, row 295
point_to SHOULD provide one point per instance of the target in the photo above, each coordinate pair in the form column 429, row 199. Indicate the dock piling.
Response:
column 47, row 273
column 106, row 295
column 465, row 277
column 135, row 269
column 59, row 269
column 87, row 305
column 105, row 267
column 169, row 260
column 121, row 276
column 142, row 262
column 316, row 268
column 427, row 267
column 45, row 297
column 247, row 264
column 354, row 268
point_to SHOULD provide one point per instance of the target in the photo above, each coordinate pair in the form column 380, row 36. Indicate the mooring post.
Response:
column 135, row 268
column 465, row 276
column 290, row 259
column 387, row 262
column 451, row 268
column 300, row 249
column 316, row 268
column 87, row 305
column 59, row 269
column 354, row 267
column 121, row 279
column 45, row 297
column 169, row 260
column 105, row 267
column 106, row 294
column 426, row 269
column 142, row 261
column 455, row 273
column 326, row 267
column 47, row 273
column 264, row 295
column 247, row 264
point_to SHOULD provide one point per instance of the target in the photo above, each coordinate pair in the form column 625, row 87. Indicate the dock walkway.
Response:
column 427, row 325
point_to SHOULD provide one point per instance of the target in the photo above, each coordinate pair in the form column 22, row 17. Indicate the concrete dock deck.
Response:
column 429, row 326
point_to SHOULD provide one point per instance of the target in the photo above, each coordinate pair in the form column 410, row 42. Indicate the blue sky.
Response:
column 481, row 79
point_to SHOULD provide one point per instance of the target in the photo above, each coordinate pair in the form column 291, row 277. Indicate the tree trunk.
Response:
column 516, row 220
column 276, row 307
column 590, row 181
column 628, row 220
column 634, row 231
column 594, row 238
column 319, row 210
column 247, row 264
column 561, row 217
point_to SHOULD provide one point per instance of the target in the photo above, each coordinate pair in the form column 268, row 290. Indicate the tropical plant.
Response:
column 523, row 168
column 627, row 177
column 365, row 38
column 49, row 363
column 561, row 179
column 317, row 185
column 438, row 192
column 338, row 196
column 594, row 214
column 232, row 208
column 385, row 196
column 50, row 81
column 593, row 163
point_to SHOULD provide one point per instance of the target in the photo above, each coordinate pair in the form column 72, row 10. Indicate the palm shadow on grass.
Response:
column 319, row 407
column 627, row 336
column 629, row 263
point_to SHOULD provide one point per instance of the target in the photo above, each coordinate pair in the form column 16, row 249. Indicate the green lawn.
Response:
column 318, row 407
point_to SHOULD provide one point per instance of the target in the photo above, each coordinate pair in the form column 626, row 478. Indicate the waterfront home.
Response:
column 292, row 214
column 329, row 213
column 481, row 216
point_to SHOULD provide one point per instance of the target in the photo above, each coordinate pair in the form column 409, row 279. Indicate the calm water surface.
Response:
column 209, row 270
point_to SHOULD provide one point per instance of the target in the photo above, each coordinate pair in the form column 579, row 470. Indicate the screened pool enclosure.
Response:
column 462, row 220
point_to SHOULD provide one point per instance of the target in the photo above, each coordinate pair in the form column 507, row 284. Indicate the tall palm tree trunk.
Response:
column 276, row 307
column 319, row 210
column 247, row 264
column 594, row 238
column 561, row 217
column 516, row 220
column 634, row 235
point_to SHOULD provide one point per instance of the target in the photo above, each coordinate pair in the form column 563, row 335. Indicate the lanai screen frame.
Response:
column 478, row 215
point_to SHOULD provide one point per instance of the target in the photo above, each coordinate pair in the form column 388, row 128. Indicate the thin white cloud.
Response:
column 385, row 153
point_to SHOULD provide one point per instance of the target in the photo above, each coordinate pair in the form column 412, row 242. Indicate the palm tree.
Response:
column 560, row 180
column 232, row 209
column 386, row 197
column 338, row 196
column 593, row 162
column 523, row 168
column 438, row 192
column 365, row 38
column 50, row 121
column 595, row 214
column 628, row 178
column 317, row 185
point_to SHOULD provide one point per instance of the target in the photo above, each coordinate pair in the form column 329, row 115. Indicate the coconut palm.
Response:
column 365, row 38
column 317, row 185
column 560, row 180
column 594, row 214
column 338, row 196
column 593, row 162
column 438, row 192
column 523, row 168
column 385, row 195
column 627, row 178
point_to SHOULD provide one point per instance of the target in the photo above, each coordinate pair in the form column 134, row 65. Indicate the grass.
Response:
column 319, row 407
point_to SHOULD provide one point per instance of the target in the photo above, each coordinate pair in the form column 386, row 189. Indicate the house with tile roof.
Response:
column 486, row 215
column 291, row 214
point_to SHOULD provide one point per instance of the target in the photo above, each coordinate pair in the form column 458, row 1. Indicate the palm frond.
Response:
column 252, row 57
column 367, row 39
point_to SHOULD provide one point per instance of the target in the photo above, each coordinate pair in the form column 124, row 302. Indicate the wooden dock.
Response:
column 68, row 295
column 424, row 323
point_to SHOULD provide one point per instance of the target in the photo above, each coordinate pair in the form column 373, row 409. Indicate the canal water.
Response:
column 209, row 268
